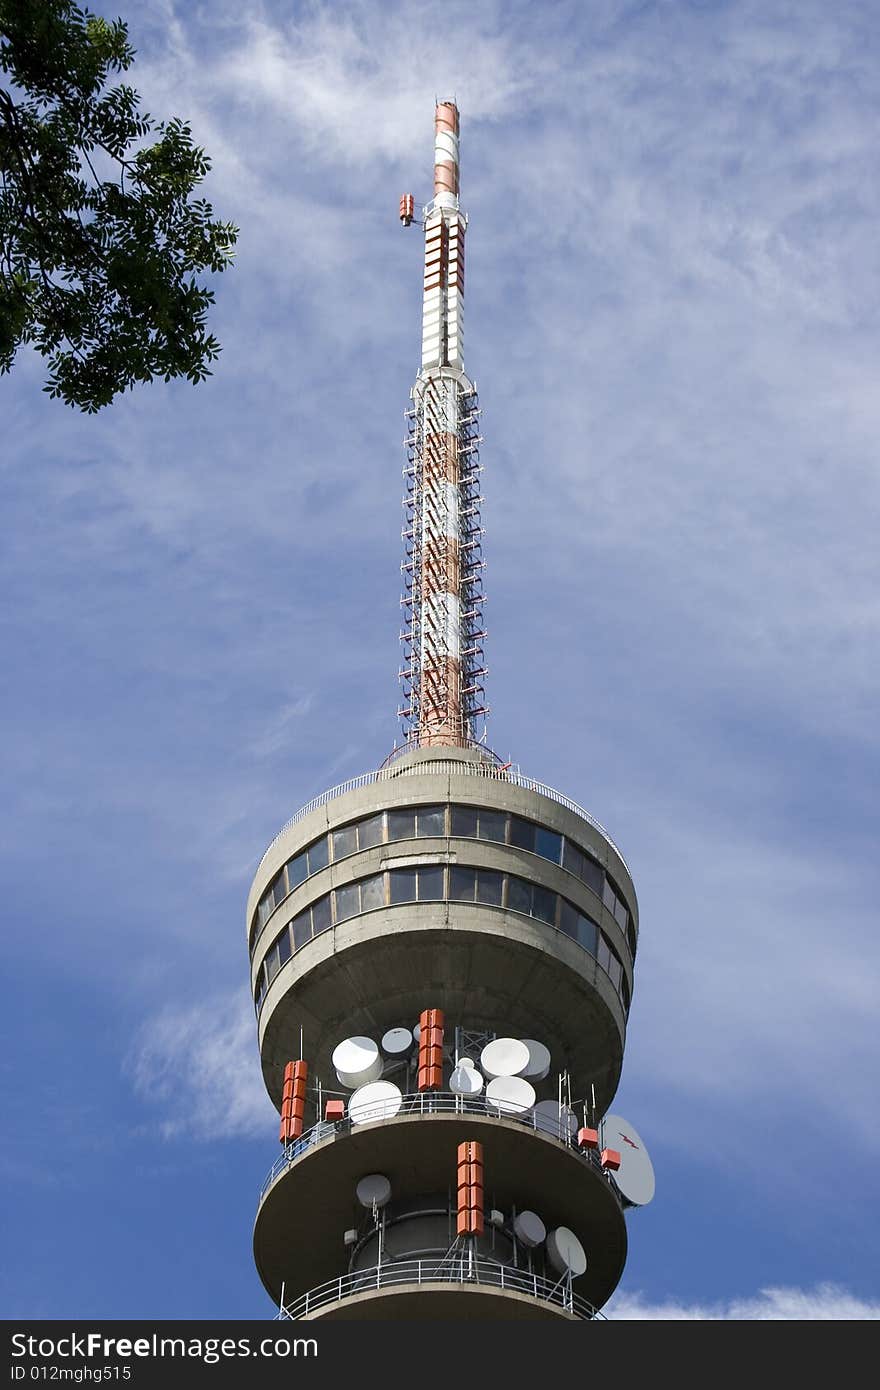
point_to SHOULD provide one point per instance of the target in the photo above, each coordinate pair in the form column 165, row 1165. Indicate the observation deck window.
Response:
column 466, row 822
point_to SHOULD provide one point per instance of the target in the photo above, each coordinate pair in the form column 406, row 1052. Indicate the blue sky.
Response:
column 672, row 320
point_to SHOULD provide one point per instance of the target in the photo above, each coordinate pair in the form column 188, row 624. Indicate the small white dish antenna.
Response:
column 565, row 1252
column 504, row 1057
column 510, row 1095
column 378, row 1100
column 373, row 1191
column 539, row 1060
column 397, row 1042
column 357, row 1061
column 552, row 1118
column 529, row 1229
column 466, row 1081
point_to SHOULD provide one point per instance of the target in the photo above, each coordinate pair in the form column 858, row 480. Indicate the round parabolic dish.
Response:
column 373, row 1190
column 551, row 1118
column 510, row 1095
column 539, row 1060
column 529, row 1228
column 504, row 1057
column 467, row 1062
column 565, row 1252
column 357, row 1061
column 378, row 1100
column 397, row 1042
column 635, row 1176
column 417, row 1031
column 466, row 1081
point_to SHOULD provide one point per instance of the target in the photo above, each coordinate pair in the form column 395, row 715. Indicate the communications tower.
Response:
column 442, row 955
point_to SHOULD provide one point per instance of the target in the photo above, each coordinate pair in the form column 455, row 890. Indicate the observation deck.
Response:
column 449, row 878
column 306, row 1206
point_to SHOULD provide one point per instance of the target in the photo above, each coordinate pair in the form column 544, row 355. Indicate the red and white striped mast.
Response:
column 443, row 589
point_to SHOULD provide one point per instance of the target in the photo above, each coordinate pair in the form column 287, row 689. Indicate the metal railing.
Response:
column 461, row 1268
column 431, row 1103
column 446, row 766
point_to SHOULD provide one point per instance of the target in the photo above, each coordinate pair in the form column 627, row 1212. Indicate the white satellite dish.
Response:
column 397, row 1042
column 635, row 1176
column 529, row 1229
column 510, row 1095
column 417, row 1031
column 565, row 1252
column 373, row 1190
column 378, row 1100
column 357, row 1061
column 504, row 1057
column 552, row 1118
column 466, row 1081
column 539, row 1060
column 467, row 1062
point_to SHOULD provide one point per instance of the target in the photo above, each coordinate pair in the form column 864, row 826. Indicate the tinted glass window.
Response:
column 461, row 883
column 592, row 875
column 624, row 990
column 261, row 993
column 519, row 895
column 492, row 825
column 464, row 820
column 344, row 841
column 348, row 902
column 544, row 904
column 401, row 824
column 608, row 896
column 403, row 885
column 432, row 820
column 318, row 855
column 568, row 918
column 296, row 871
column 548, row 844
column 272, row 964
column 609, row 963
column 301, row 927
column 587, row 934
column 284, row 946
column 431, row 883
column 522, row 833
column 572, row 859
column 621, row 913
column 372, row 892
column 280, row 887
column 321, row 915
column 489, row 885
column 631, row 937
column 265, row 907
column 370, row 831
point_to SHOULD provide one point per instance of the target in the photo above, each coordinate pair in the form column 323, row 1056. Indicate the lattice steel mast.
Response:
column 444, row 671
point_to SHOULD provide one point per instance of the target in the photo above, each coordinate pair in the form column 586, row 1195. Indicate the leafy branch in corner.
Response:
column 101, row 239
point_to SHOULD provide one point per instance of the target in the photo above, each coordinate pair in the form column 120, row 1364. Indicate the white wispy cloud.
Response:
column 824, row 1302
column 199, row 1067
